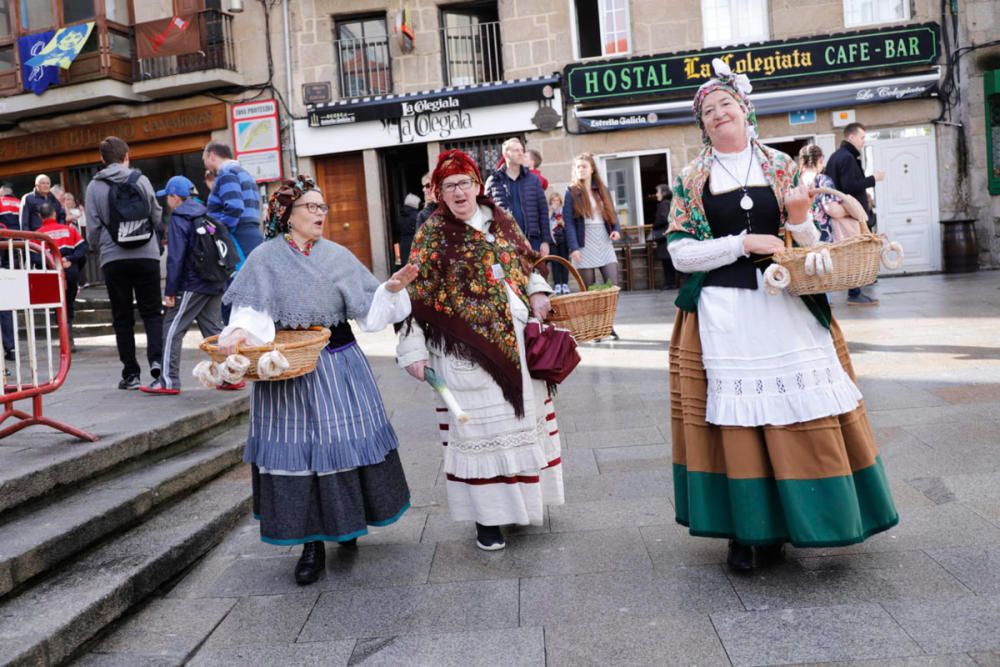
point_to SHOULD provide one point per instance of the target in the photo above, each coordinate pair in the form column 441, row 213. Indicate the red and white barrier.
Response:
column 36, row 295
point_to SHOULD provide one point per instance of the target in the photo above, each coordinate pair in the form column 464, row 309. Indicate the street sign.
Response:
column 257, row 139
column 843, row 118
column 803, row 117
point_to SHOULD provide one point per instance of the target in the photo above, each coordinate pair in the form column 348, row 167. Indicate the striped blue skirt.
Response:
column 330, row 419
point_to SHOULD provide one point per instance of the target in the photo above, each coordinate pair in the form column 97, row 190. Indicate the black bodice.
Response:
column 726, row 218
column 340, row 335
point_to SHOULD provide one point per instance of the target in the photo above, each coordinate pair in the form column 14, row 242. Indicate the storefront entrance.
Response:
column 906, row 202
column 402, row 169
column 342, row 179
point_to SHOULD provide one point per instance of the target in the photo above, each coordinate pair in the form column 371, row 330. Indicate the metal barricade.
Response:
column 33, row 291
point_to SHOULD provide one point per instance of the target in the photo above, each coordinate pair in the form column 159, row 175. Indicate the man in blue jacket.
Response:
column 520, row 192
column 186, row 296
column 32, row 202
column 845, row 170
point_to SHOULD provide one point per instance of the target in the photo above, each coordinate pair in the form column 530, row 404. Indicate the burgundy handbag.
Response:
column 550, row 352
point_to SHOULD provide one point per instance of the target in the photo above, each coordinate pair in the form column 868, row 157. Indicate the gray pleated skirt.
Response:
column 323, row 453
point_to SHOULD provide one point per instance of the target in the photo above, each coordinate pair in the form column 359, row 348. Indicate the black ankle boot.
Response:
column 740, row 557
column 489, row 538
column 350, row 545
column 769, row 554
column 311, row 564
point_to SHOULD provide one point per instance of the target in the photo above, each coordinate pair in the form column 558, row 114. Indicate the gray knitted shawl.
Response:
column 326, row 287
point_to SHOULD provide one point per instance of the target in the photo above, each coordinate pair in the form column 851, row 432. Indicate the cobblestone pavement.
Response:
column 611, row 579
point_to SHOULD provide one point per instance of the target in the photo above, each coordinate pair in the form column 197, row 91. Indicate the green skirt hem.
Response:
column 787, row 540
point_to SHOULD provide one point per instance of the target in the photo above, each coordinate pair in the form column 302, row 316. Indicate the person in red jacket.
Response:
column 533, row 160
column 73, row 249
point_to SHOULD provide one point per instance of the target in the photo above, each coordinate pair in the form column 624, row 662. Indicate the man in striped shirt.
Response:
column 234, row 200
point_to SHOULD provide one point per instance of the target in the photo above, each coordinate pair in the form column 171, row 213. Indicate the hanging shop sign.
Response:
column 665, row 75
column 256, row 139
column 429, row 123
column 445, row 100
column 678, row 112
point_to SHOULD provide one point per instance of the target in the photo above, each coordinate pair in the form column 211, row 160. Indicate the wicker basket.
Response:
column 300, row 346
column 589, row 315
column 855, row 259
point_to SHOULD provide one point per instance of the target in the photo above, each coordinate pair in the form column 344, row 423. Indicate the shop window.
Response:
column 867, row 12
column 602, row 27
column 470, row 44
column 734, row 21
column 5, row 18
column 361, row 48
column 485, row 151
column 7, row 61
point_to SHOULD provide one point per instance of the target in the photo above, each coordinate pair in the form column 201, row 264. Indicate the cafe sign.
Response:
column 824, row 55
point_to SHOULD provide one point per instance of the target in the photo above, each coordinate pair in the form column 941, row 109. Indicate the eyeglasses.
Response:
column 314, row 208
column 464, row 185
column 425, row 186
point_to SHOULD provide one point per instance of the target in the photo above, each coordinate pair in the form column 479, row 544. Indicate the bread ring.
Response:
column 777, row 278
column 810, row 264
column 271, row 365
column 892, row 256
column 208, row 374
column 827, row 261
column 234, row 368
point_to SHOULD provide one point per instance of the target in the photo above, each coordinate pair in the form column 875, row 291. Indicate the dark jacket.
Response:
column 575, row 224
column 406, row 227
column 661, row 220
column 534, row 208
column 425, row 213
column 844, row 168
column 181, row 276
column 30, row 220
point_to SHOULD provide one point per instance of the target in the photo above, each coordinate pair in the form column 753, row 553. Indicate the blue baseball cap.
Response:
column 177, row 185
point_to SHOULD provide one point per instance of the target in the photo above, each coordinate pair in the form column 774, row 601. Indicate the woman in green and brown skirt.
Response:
column 771, row 441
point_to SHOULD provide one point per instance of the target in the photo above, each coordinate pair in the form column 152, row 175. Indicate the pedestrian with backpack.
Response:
column 200, row 259
column 122, row 223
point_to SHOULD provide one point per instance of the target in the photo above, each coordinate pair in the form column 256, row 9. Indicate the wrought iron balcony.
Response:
column 364, row 66
column 472, row 54
column 217, row 51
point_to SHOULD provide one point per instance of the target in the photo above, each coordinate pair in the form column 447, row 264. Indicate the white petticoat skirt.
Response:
column 768, row 360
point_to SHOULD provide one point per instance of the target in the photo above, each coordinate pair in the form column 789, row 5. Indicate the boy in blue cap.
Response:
column 187, row 296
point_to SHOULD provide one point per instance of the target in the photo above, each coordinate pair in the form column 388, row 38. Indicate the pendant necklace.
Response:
column 746, row 203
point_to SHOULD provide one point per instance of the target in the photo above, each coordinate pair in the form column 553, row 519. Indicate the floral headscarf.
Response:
column 737, row 85
column 455, row 162
column 279, row 204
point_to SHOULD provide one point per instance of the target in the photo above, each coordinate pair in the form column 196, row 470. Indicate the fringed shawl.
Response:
column 461, row 305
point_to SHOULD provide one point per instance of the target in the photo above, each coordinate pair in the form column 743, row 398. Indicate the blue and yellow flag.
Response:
column 64, row 47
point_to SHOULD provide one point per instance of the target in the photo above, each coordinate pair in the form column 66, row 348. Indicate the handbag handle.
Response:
column 567, row 264
column 853, row 206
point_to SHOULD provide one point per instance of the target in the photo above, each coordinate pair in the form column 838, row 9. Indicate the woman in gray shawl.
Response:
column 323, row 451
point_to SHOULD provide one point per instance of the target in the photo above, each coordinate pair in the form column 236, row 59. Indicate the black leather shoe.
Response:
column 740, row 557
column 489, row 538
column 350, row 545
column 769, row 554
column 311, row 564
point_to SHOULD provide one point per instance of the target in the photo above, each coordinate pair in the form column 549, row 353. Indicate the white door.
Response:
column 906, row 201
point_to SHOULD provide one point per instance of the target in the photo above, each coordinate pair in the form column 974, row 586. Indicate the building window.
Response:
column 734, row 21
column 603, row 27
column 867, row 12
column 470, row 44
column 361, row 48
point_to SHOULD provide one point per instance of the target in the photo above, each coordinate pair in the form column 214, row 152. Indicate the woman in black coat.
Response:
column 660, row 223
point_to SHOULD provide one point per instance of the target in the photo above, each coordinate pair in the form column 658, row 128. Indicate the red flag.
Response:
column 175, row 36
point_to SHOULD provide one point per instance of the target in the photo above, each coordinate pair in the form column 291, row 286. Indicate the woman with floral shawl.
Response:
column 322, row 450
column 471, row 302
column 771, row 441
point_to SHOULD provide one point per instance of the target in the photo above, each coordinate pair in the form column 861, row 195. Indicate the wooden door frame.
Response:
column 320, row 166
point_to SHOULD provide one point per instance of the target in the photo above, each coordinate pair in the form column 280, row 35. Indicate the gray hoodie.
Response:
column 97, row 215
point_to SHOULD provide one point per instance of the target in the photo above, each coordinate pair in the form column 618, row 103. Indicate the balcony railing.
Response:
column 217, row 50
column 364, row 66
column 472, row 54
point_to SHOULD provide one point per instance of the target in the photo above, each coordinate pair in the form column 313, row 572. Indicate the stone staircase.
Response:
column 85, row 537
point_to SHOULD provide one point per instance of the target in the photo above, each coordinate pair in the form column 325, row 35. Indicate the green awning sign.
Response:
column 883, row 49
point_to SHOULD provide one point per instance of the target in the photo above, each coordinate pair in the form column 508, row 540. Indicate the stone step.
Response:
column 62, row 469
column 37, row 541
column 46, row 623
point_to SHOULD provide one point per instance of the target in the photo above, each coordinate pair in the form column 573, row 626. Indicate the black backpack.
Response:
column 130, row 221
column 214, row 256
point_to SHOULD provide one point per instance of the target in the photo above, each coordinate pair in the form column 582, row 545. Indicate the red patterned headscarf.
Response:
column 455, row 162
column 279, row 204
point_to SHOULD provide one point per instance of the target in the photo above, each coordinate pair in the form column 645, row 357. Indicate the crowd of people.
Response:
column 771, row 441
